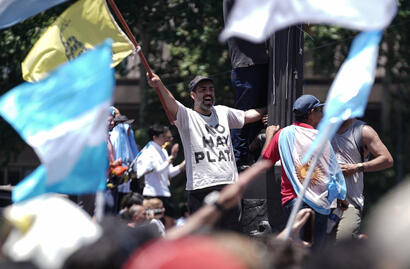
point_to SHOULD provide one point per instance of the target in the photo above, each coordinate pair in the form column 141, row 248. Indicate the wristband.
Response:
column 212, row 199
column 360, row 167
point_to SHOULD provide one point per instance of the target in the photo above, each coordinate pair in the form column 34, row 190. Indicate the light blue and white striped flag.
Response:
column 257, row 20
column 64, row 118
column 350, row 90
column 14, row 11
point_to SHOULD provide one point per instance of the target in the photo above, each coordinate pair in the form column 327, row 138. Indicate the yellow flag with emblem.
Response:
column 79, row 28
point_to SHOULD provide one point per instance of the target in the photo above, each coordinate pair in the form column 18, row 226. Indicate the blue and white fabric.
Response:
column 14, row 11
column 327, row 182
column 64, row 119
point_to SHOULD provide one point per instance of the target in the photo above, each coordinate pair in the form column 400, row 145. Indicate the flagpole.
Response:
column 306, row 182
column 140, row 54
column 99, row 206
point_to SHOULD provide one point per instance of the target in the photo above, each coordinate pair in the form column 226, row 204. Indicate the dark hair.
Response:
column 113, row 248
column 131, row 198
column 302, row 118
column 156, row 130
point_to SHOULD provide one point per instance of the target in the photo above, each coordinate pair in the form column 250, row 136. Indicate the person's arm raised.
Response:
column 170, row 103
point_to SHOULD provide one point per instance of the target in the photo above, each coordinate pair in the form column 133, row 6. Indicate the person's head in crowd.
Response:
column 197, row 252
column 114, row 111
column 160, row 134
column 308, row 109
column 202, row 91
column 110, row 123
column 137, row 215
column 154, row 207
column 113, row 248
column 131, row 198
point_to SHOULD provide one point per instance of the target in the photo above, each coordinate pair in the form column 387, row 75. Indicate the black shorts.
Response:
column 168, row 205
column 229, row 219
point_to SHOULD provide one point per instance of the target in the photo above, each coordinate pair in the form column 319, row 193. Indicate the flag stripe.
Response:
column 14, row 11
column 72, row 145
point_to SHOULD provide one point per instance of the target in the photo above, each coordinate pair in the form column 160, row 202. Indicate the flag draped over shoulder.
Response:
column 327, row 182
column 79, row 28
column 256, row 20
column 14, row 11
column 350, row 90
column 64, row 119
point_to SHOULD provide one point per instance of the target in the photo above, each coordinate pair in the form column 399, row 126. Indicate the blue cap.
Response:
column 304, row 104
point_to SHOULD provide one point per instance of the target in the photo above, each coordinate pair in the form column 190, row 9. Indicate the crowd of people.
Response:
column 143, row 228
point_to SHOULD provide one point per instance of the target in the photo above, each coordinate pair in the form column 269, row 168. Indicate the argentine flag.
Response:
column 327, row 182
column 64, row 119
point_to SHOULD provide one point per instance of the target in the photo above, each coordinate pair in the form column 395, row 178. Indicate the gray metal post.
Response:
column 285, row 85
column 262, row 199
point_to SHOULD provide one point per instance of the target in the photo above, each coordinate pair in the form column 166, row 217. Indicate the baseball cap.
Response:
column 123, row 119
column 192, row 85
column 305, row 103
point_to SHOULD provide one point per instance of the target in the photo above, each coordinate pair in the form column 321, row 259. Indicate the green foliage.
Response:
column 189, row 31
column 329, row 46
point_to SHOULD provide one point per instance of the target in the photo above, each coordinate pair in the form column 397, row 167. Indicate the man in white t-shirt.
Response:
column 155, row 164
column 205, row 135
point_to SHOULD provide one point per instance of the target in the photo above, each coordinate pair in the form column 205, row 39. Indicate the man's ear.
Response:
column 192, row 94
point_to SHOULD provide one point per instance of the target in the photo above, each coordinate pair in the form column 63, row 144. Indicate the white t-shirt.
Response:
column 159, row 225
column 207, row 145
column 153, row 163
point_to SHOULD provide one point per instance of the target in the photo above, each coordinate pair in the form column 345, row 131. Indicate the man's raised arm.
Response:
column 169, row 100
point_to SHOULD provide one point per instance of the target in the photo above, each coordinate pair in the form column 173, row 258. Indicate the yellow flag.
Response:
column 80, row 27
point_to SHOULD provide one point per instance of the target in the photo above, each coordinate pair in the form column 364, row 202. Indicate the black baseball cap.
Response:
column 305, row 103
column 123, row 119
column 192, row 85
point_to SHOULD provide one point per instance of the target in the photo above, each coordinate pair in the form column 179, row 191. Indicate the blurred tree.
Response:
column 179, row 39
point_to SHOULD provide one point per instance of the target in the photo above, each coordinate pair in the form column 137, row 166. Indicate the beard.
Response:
column 206, row 105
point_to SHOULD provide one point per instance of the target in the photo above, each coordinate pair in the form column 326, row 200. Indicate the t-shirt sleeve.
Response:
column 236, row 118
column 272, row 151
column 182, row 116
column 144, row 164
